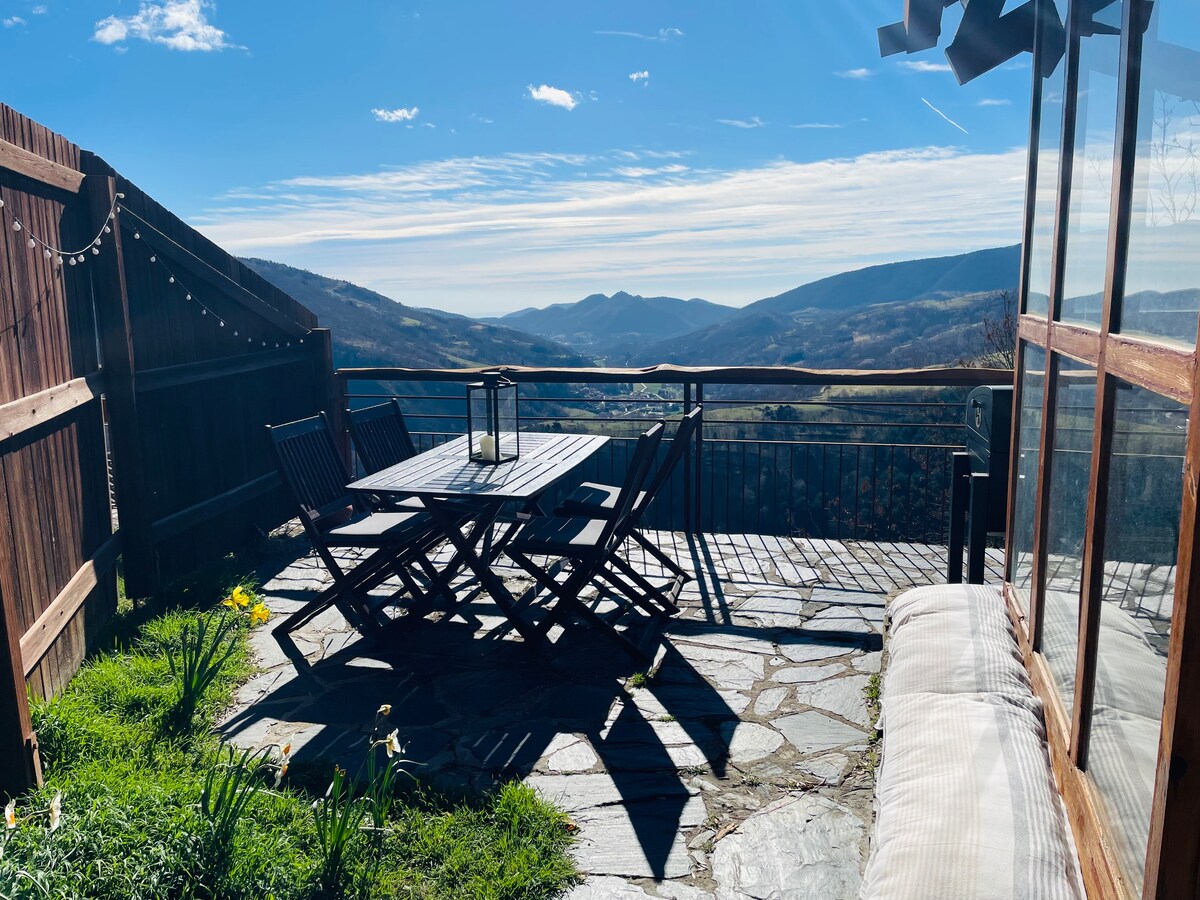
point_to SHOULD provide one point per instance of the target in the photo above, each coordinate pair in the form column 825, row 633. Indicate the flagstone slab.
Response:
column 814, row 650
column 807, row 674
column 813, row 732
column 843, row 696
column 749, row 741
column 803, row 845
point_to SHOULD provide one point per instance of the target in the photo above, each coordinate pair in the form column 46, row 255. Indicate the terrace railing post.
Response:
column 977, row 532
column 960, row 477
column 111, row 299
column 698, row 474
column 688, row 462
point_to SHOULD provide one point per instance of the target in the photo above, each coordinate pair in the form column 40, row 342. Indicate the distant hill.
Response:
column 606, row 327
column 915, row 313
column 968, row 273
column 370, row 329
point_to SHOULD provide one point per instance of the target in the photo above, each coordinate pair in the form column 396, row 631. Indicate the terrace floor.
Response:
column 742, row 768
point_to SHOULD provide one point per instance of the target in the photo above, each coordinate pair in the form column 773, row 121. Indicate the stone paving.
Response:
column 740, row 768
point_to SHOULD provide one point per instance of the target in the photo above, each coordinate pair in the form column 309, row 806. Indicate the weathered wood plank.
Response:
column 932, row 377
column 19, row 416
column 177, row 523
column 222, row 367
column 49, row 625
column 23, row 162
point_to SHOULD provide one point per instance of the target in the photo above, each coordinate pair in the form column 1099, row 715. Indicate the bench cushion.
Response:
column 966, row 806
column 555, row 536
column 593, row 499
column 948, row 640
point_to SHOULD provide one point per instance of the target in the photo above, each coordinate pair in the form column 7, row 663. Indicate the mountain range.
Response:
column 613, row 326
column 914, row 313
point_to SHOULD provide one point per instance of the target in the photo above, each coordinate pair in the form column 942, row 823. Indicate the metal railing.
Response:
column 854, row 455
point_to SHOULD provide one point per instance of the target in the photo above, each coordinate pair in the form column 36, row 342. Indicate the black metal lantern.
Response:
column 493, row 436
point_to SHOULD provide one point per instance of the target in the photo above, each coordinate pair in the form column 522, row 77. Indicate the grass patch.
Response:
column 136, row 822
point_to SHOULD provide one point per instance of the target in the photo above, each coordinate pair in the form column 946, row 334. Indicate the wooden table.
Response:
column 444, row 475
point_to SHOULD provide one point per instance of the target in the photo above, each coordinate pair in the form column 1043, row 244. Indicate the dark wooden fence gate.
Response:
column 131, row 337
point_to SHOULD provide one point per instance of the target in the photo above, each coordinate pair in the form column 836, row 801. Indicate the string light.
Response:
column 76, row 257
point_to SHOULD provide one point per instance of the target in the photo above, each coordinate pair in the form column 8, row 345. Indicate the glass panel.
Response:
column 1162, row 286
column 1145, row 488
column 1049, row 145
column 1091, row 171
column 1074, row 418
column 1029, row 428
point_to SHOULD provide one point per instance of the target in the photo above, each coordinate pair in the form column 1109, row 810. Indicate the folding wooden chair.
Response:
column 598, row 501
column 312, row 469
column 589, row 545
column 380, row 436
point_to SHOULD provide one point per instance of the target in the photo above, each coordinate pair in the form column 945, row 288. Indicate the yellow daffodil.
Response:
column 10, row 815
column 281, row 771
column 56, row 811
column 259, row 613
column 228, row 602
column 287, row 749
column 385, row 710
column 241, row 597
column 392, row 743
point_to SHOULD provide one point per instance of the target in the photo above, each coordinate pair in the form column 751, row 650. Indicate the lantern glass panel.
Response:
column 492, row 421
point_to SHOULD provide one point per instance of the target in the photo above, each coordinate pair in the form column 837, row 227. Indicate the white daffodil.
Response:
column 10, row 815
column 385, row 710
column 56, row 811
column 392, row 743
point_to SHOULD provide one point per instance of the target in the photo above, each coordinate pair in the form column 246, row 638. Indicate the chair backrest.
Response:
column 311, row 467
column 380, row 436
column 679, row 446
column 617, row 527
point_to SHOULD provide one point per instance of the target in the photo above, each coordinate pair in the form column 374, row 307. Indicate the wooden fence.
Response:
column 130, row 337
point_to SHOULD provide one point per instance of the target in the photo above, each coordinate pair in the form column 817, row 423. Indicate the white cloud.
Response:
column 39, row 10
column 553, row 96
column 12, row 21
column 920, row 65
column 178, row 24
column 944, row 116
column 752, row 122
column 395, row 115
column 481, row 233
column 816, row 125
column 481, row 119
column 643, row 172
column 855, row 73
column 992, row 101
column 663, row 35
column 642, row 76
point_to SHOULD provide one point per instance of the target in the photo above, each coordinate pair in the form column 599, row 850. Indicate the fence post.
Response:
column 20, row 768
column 331, row 388
column 111, row 300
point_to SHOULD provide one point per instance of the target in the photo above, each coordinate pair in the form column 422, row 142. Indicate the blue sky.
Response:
column 480, row 157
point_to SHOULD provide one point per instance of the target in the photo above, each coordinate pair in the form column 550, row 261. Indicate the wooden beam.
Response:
column 49, row 625
column 190, row 373
column 1076, row 341
column 1159, row 367
column 179, row 522
column 19, row 416
column 671, row 374
column 1034, row 329
column 23, row 162
column 116, row 351
column 184, row 259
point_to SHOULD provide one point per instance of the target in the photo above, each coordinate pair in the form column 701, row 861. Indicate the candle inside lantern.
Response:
column 487, row 448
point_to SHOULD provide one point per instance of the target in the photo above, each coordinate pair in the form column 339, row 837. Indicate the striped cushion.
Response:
column 954, row 639
column 966, row 806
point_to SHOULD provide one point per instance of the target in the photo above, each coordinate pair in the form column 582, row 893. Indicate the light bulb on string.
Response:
column 73, row 260
column 171, row 279
column 16, row 226
column 32, row 244
column 154, row 259
column 95, row 251
column 58, row 260
column 81, row 257
column 47, row 254
column 137, row 235
column 107, row 230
